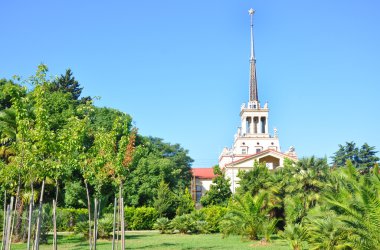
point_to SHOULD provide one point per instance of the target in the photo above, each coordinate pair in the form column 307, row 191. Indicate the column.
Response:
column 244, row 125
column 266, row 125
column 259, row 125
column 252, row 125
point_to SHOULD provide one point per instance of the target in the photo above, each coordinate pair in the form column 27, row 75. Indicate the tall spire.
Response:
column 253, row 94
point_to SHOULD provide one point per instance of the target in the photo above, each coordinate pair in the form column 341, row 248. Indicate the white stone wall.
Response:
column 205, row 183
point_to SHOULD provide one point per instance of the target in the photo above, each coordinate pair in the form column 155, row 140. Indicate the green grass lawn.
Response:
column 154, row 240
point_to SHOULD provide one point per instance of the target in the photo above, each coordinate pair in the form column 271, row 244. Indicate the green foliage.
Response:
column 129, row 212
column 82, row 228
column 75, row 195
column 153, row 162
column 183, row 223
column 163, row 224
column 296, row 235
column 268, row 228
column 213, row 215
column 363, row 158
column 185, row 203
column 68, row 218
column 353, row 202
column 140, row 218
column 246, row 215
column 164, row 203
column 258, row 178
column 219, row 192
column 103, row 118
column 105, row 226
column 327, row 231
column 67, row 84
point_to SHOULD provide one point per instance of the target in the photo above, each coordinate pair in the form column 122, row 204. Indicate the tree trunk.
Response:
column 15, row 208
column 39, row 218
column 95, row 220
column 17, row 230
column 30, row 216
column 54, row 215
column 4, row 243
column 8, row 238
column 122, row 227
column 54, row 225
column 89, row 214
column 114, row 224
column 118, row 224
column 4, row 219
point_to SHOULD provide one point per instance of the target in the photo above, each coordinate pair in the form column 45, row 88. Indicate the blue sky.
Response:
column 181, row 68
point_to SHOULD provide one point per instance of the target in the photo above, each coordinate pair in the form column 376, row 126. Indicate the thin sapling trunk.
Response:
column 30, row 216
column 89, row 214
column 9, row 226
column 55, row 225
column 114, row 224
column 39, row 218
column 4, row 219
column 95, row 221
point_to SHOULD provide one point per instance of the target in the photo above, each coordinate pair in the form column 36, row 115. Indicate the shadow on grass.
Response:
column 80, row 246
column 137, row 236
column 155, row 246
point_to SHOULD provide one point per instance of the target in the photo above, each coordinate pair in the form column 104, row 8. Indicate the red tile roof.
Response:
column 203, row 173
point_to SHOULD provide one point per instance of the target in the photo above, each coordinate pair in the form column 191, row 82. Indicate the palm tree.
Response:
column 355, row 199
column 304, row 185
column 326, row 231
column 246, row 215
column 295, row 234
column 258, row 178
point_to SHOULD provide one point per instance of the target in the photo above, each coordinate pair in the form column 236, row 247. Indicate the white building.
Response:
column 253, row 142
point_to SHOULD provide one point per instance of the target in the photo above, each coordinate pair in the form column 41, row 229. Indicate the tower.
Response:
column 253, row 134
column 253, row 142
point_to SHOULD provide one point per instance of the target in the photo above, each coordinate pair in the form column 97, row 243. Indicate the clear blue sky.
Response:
column 180, row 68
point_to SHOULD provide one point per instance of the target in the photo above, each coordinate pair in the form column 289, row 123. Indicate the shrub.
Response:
column 67, row 218
column 105, row 226
column 163, row 224
column 82, row 228
column 129, row 212
column 183, row 223
column 213, row 215
column 144, row 218
column 200, row 226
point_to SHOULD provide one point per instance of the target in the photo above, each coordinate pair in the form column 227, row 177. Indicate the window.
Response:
column 258, row 150
column 199, row 193
column 244, row 151
column 269, row 165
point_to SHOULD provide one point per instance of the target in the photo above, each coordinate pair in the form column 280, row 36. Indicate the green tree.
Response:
column 296, row 235
column 326, row 231
column 367, row 157
column 67, row 84
column 355, row 200
column 246, row 215
column 254, row 180
column 219, row 192
column 153, row 162
column 363, row 158
column 344, row 153
column 8, row 131
column 164, row 203
column 185, row 203
column 5, row 96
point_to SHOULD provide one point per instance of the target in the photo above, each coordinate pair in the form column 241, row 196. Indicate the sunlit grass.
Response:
column 154, row 240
